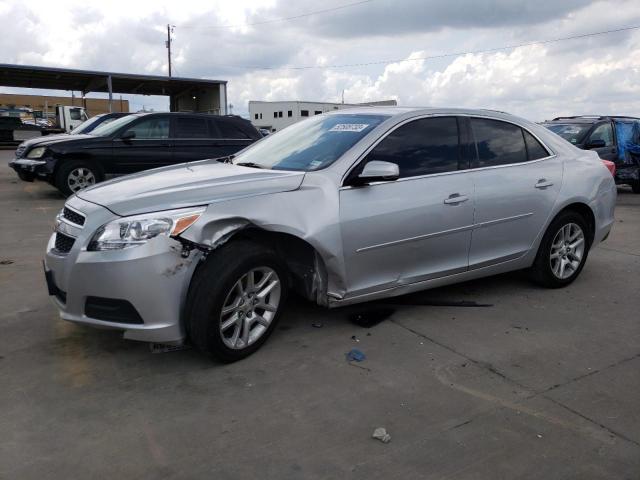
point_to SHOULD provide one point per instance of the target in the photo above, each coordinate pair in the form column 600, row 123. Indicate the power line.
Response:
column 282, row 19
column 433, row 57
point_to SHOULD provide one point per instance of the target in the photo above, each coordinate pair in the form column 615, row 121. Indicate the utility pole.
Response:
column 168, row 45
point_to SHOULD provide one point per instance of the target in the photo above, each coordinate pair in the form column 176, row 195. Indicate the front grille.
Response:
column 111, row 310
column 73, row 217
column 64, row 242
column 20, row 150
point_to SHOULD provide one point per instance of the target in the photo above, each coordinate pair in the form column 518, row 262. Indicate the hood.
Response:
column 187, row 185
column 47, row 140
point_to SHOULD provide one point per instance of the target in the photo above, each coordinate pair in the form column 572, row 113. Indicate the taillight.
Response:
column 610, row 166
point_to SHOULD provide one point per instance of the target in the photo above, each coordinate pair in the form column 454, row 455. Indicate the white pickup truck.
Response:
column 14, row 131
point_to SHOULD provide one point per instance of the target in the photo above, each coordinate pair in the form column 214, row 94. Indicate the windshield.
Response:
column 86, row 127
column 108, row 128
column 310, row 145
column 572, row 132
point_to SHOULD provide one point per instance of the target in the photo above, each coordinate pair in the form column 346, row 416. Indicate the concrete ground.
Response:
column 540, row 384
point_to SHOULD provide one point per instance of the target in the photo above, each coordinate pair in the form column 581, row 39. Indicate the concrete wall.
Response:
column 94, row 106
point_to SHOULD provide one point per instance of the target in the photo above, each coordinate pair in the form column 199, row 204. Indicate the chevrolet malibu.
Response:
column 342, row 208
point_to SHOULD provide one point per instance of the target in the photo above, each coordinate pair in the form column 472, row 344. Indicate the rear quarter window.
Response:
column 229, row 130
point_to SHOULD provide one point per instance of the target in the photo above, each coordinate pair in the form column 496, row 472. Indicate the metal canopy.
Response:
column 90, row 81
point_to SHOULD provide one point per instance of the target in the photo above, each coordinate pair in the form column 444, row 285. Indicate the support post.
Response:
column 110, row 87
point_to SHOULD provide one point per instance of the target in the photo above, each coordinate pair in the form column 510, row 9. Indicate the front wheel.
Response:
column 235, row 300
column 562, row 252
column 75, row 176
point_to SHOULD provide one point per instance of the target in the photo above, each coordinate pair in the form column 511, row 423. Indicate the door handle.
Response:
column 455, row 199
column 543, row 183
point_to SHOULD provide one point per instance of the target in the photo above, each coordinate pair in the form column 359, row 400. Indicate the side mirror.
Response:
column 128, row 135
column 377, row 171
column 598, row 143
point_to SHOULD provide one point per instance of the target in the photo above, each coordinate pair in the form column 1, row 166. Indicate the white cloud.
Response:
column 589, row 75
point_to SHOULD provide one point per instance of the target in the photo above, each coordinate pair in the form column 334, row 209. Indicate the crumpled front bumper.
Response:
column 32, row 168
column 153, row 278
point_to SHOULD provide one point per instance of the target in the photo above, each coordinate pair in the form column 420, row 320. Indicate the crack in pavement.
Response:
column 533, row 393
column 580, row 377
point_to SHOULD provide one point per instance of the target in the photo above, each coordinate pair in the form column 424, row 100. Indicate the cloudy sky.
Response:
column 371, row 49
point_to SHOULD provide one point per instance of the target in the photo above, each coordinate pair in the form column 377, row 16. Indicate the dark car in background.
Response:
column 131, row 144
column 614, row 138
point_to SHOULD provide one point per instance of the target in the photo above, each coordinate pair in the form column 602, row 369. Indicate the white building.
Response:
column 274, row 116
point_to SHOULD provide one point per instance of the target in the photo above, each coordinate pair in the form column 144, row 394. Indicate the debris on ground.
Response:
column 6, row 262
column 381, row 434
column 165, row 348
column 355, row 355
column 354, row 338
column 316, row 324
column 368, row 318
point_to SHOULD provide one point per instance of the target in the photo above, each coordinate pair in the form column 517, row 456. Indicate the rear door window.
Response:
column 498, row 143
column 229, row 130
column 186, row 127
column 421, row 147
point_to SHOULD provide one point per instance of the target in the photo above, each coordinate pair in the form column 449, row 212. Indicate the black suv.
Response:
column 614, row 138
column 131, row 144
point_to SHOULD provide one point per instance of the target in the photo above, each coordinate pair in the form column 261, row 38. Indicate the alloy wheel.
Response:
column 567, row 250
column 80, row 178
column 250, row 307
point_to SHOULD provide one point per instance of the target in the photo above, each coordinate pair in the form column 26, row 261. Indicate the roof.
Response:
column 589, row 118
column 27, row 76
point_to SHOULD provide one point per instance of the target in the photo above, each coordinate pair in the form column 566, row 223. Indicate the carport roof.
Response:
column 27, row 76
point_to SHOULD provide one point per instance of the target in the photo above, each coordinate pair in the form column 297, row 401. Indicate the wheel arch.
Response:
column 584, row 210
column 305, row 265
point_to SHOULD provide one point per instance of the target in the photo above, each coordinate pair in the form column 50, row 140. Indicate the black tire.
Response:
column 213, row 282
column 635, row 186
column 541, row 271
column 63, row 172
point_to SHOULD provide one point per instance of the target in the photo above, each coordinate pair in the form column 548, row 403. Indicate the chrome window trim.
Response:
column 433, row 115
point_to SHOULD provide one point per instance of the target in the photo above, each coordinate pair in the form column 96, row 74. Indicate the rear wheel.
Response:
column 235, row 300
column 74, row 176
column 562, row 252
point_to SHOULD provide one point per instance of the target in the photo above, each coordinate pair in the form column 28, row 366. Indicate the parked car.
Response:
column 345, row 207
column 13, row 131
column 613, row 138
column 131, row 144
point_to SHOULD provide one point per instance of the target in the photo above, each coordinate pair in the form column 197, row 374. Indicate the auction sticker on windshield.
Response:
column 349, row 127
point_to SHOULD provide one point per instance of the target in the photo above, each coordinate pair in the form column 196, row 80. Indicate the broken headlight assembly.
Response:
column 137, row 230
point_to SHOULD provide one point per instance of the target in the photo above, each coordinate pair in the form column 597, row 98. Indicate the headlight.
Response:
column 130, row 232
column 37, row 152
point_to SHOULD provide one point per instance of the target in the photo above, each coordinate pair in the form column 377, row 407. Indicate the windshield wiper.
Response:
column 225, row 159
column 250, row 164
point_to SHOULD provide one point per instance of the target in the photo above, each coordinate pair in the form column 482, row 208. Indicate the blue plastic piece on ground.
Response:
column 355, row 355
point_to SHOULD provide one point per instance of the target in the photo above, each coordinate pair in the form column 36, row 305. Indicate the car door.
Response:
column 517, row 181
column 150, row 146
column 419, row 226
column 603, row 135
column 232, row 138
column 193, row 139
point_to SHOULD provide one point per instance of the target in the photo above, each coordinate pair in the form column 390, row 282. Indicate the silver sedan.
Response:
column 342, row 208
